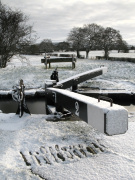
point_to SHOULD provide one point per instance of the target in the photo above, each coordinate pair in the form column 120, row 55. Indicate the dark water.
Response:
column 128, row 105
column 36, row 106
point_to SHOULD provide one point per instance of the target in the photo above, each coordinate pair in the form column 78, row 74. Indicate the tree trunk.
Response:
column 78, row 53
column 106, row 54
column 87, row 54
column 0, row 63
column 3, row 63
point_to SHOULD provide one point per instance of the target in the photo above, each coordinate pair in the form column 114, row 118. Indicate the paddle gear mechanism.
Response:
column 18, row 95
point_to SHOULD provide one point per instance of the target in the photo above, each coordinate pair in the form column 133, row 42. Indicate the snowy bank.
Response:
column 42, row 143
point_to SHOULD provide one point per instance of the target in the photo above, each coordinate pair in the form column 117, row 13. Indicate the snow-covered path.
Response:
column 33, row 147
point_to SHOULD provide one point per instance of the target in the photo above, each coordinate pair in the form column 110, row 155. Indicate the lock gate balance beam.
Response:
column 111, row 120
column 79, row 78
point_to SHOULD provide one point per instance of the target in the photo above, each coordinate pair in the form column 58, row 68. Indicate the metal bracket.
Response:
column 106, row 98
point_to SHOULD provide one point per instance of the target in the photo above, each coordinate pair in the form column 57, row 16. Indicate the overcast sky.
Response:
column 53, row 19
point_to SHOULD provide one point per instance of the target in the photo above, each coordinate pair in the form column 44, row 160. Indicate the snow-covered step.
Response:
column 49, row 155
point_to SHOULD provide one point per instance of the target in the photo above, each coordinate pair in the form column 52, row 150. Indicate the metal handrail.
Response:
column 105, row 98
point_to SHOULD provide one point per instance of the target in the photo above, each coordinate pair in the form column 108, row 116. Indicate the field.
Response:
column 120, row 75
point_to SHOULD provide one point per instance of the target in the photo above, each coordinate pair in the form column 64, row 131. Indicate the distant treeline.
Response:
column 86, row 38
column 18, row 37
column 127, row 59
column 49, row 47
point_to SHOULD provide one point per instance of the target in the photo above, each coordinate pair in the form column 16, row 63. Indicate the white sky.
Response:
column 53, row 19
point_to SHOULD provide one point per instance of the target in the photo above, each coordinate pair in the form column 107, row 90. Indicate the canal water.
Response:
column 37, row 105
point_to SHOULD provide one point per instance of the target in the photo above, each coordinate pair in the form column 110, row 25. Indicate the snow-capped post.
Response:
column 73, row 61
column 18, row 95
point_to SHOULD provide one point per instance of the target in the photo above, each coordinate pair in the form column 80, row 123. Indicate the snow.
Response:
column 35, row 137
column 30, row 133
column 117, row 121
column 34, row 74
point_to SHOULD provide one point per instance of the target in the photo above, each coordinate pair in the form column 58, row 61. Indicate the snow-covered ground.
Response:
column 121, row 75
column 34, row 147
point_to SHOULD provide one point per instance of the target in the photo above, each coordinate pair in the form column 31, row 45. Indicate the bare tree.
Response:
column 46, row 46
column 109, row 39
column 32, row 49
column 63, row 46
column 92, row 36
column 15, row 34
column 76, row 37
column 122, row 45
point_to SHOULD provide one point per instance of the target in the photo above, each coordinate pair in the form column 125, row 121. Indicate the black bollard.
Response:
column 54, row 75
